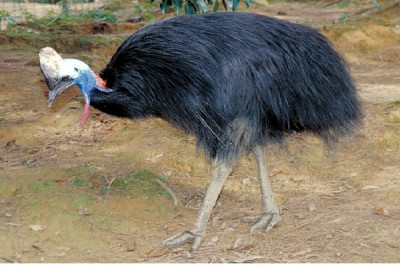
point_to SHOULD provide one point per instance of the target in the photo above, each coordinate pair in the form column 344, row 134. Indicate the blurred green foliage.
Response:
column 199, row 6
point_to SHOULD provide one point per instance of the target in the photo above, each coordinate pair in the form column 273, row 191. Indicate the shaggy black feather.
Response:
column 234, row 80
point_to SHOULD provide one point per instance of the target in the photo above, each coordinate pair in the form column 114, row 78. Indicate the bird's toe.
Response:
column 265, row 221
column 181, row 239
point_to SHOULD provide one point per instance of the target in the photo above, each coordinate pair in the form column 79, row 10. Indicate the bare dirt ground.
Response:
column 92, row 193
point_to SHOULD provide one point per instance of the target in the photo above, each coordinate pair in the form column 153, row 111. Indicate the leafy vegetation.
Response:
column 96, row 15
column 5, row 15
column 200, row 6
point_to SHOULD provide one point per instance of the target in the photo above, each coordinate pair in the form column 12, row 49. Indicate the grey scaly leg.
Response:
column 270, row 211
column 220, row 173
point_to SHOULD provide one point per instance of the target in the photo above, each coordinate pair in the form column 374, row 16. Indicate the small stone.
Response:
column 351, row 175
column 63, row 248
column 177, row 250
column 188, row 255
column 37, row 227
column 223, row 226
column 369, row 187
column 238, row 242
column 131, row 247
column 84, row 212
column 302, row 252
column 214, row 239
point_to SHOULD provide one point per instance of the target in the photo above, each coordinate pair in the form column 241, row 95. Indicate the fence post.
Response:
column 65, row 8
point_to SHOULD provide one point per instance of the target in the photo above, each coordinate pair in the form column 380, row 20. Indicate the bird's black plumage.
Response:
column 234, row 80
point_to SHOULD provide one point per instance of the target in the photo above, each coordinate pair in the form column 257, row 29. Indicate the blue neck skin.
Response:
column 87, row 83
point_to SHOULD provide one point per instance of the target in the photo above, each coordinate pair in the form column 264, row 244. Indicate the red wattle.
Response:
column 85, row 113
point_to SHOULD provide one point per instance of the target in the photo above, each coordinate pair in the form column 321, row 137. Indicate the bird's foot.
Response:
column 181, row 239
column 265, row 221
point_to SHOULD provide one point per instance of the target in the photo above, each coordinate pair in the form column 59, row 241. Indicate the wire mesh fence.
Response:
column 14, row 11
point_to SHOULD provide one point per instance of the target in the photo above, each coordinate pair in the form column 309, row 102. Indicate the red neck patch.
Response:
column 101, row 82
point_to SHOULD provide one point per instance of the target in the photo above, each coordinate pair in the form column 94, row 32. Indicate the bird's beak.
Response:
column 56, row 89
column 51, row 97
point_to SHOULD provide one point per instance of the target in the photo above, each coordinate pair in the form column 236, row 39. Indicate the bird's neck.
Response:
column 88, row 83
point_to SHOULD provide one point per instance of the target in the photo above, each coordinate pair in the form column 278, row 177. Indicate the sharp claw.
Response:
column 196, row 243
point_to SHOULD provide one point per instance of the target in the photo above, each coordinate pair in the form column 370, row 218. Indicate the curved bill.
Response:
column 56, row 89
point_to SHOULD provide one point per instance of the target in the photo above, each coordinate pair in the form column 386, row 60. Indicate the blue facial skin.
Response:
column 80, row 74
column 75, row 72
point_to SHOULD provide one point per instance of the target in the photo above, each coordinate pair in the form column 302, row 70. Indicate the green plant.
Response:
column 343, row 17
column 79, row 182
column 65, row 5
column 199, row 6
column 103, row 190
column 99, row 15
column 4, row 15
column 376, row 3
column 56, row 23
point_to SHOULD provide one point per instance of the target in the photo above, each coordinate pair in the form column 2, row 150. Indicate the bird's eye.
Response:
column 65, row 78
column 76, row 70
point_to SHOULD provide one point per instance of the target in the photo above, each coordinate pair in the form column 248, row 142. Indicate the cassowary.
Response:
column 236, row 81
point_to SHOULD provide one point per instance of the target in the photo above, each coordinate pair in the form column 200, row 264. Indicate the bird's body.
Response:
column 234, row 80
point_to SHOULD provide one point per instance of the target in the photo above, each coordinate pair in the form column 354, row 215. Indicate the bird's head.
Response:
column 61, row 74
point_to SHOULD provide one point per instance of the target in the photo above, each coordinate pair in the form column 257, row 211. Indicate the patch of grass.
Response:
column 141, row 174
column 276, row 1
column 345, row 4
column 77, row 169
column 55, row 21
column 114, row 6
column 141, row 183
column 79, row 176
column 7, row 188
column 119, row 183
column 83, row 200
column 65, row 33
column 40, row 186
column 99, row 15
column 103, row 190
column 343, row 17
column 396, row 103
column 145, row 183
column 79, row 182
column 87, row 167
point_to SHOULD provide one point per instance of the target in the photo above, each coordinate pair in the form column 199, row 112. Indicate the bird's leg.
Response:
column 270, row 211
column 220, row 173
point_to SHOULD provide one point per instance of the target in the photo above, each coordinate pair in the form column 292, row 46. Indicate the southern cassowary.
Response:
column 236, row 81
